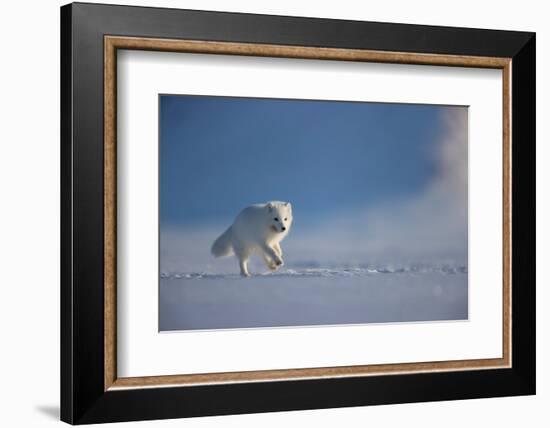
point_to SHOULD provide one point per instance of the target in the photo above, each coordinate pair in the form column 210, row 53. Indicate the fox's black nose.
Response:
column 283, row 228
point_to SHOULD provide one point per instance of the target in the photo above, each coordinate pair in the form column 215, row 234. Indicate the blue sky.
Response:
column 220, row 154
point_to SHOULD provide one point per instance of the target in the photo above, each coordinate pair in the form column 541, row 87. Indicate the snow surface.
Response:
column 312, row 296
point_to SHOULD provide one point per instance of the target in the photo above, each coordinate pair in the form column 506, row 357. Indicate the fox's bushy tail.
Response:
column 222, row 246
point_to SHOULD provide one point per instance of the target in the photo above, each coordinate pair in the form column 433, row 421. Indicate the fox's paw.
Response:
column 273, row 266
column 279, row 261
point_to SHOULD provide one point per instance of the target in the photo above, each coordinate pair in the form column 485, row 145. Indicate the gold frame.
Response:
column 113, row 43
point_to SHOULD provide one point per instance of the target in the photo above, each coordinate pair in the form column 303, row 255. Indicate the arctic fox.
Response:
column 258, row 228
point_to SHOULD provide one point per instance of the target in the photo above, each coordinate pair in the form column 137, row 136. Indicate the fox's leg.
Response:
column 269, row 262
column 270, row 252
column 243, row 264
column 278, row 249
column 242, row 255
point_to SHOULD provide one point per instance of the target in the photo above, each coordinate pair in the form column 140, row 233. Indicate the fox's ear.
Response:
column 288, row 205
column 270, row 207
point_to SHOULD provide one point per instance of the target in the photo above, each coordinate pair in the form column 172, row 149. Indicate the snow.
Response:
column 312, row 296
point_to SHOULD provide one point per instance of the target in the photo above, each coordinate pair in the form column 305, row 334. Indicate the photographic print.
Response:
column 289, row 212
column 327, row 190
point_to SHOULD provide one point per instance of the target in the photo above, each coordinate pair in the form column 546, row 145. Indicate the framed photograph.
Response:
column 265, row 213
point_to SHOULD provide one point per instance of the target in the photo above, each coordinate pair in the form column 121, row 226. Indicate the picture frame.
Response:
column 91, row 390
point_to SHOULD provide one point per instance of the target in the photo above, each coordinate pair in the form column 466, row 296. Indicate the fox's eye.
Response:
column 285, row 219
column 276, row 219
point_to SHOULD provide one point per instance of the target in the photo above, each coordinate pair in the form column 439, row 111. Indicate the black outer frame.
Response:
column 83, row 399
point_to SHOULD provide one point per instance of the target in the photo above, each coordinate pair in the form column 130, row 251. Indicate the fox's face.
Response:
column 280, row 216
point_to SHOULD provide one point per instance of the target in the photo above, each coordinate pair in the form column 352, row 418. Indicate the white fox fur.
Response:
column 258, row 228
